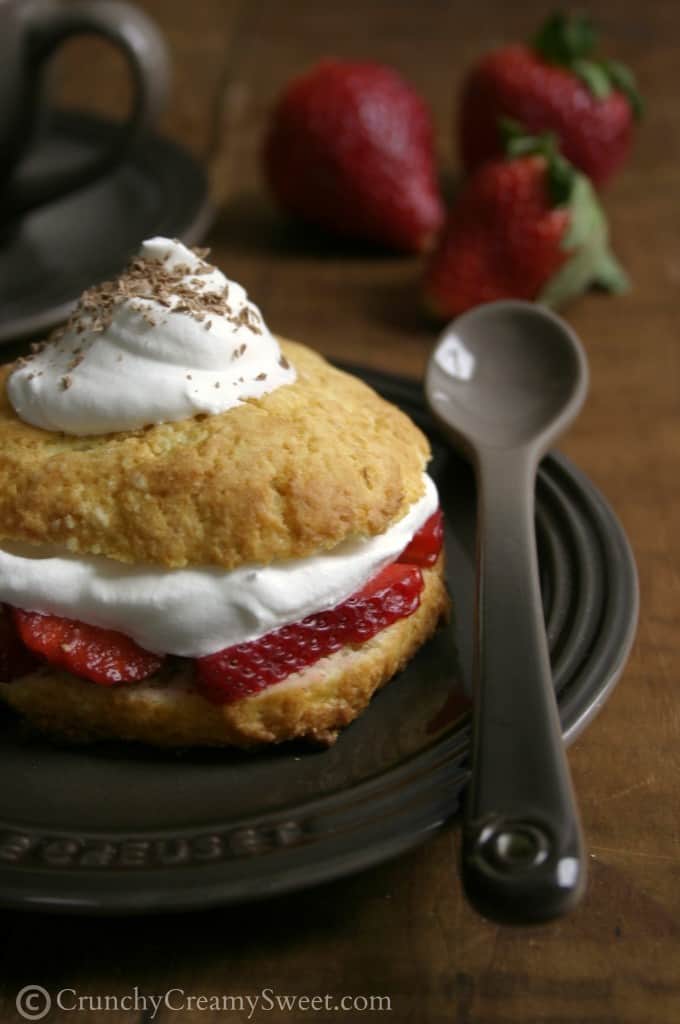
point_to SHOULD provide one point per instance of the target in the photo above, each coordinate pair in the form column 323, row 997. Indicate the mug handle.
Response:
column 141, row 42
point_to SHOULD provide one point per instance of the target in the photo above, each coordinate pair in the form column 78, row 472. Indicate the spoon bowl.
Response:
column 507, row 374
column 503, row 381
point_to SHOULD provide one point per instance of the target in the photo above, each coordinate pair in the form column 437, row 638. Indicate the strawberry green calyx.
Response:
column 587, row 240
column 517, row 142
column 587, row 237
column 564, row 38
column 569, row 40
column 623, row 79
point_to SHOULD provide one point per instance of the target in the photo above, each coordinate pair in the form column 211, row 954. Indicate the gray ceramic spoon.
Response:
column 503, row 381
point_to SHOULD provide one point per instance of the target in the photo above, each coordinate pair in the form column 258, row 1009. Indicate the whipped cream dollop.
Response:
column 194, row 612
column 170, row 338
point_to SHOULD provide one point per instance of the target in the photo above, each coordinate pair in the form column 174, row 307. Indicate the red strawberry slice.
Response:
column 244, row 669
column 427, row 542
column 15, row 659
column 102, row 655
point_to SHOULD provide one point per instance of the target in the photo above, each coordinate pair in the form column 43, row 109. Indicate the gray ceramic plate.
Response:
column 120, row 828
column 64, row 247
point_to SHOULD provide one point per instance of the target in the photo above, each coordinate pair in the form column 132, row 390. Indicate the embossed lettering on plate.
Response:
column 19, row 849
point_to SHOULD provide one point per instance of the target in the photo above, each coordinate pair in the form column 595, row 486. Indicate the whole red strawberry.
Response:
column 350, row 148
column 554, row 85
column 528, row 226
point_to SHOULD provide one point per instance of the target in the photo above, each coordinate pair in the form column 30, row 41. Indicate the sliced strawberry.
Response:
column 244, row 669
column 15, row 658
column 426, row 543
column 102, row 655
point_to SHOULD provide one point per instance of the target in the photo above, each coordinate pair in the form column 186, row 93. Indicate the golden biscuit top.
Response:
column 284, row 476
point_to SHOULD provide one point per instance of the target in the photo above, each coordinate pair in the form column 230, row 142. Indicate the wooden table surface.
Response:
column 403, row 929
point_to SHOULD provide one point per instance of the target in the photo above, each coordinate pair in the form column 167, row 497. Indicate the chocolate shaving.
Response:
column 246, row 317
column 178, row 288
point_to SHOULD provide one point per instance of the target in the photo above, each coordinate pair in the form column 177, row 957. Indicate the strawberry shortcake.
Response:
column 208, row 535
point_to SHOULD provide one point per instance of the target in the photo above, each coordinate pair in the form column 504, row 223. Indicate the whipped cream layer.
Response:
column 170, row 338
column 194, row 612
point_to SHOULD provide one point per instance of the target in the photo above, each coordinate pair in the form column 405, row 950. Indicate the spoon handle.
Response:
column 523, row 857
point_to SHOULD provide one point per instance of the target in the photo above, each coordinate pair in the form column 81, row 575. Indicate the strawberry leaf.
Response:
column 587, row 240
column 623, row 79
column 593, row 75
column 561, row 175
column 565, row 38
column 518, row 142
column 560, row 172
column 610, row 275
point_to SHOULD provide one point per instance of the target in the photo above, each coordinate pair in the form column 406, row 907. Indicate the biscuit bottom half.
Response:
column 167, row 711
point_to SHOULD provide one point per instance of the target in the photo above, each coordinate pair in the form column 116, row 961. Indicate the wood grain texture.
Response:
column 403, row 929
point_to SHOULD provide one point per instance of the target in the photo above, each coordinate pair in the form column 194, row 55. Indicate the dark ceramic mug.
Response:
column 30, row 32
